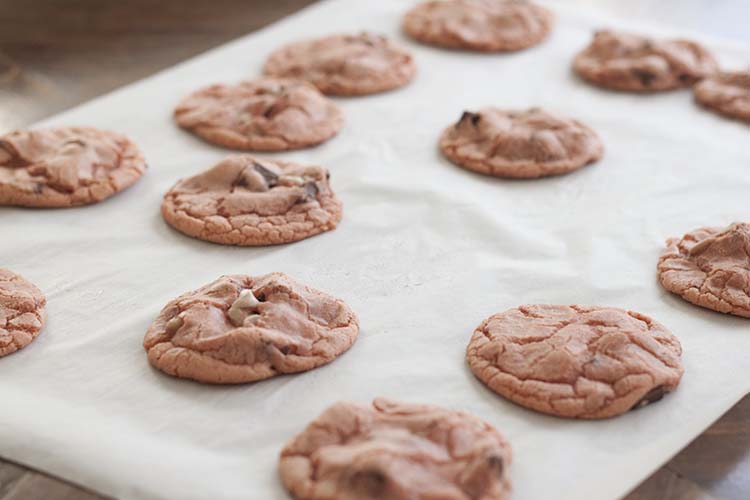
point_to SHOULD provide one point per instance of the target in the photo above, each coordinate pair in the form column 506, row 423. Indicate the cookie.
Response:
column 480, row 25
column 22, row 312
column 241, row 329
column 268, row 114
column 710, row 267
column 623, row 61
column 726, row 93
column 345, row 65
column 247, row 201
column 396, row 451
column 520, row 144
column 66, row 166
column 575, row 361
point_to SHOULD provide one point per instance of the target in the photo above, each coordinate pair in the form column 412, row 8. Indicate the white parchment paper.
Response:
column 425, row 252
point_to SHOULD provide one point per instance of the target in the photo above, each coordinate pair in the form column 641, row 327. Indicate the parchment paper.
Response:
column 425, row 252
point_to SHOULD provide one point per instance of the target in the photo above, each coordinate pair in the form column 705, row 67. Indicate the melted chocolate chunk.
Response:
column 652, row 396
column 270, row 178
column 370, row 482
column 468, row 115
column 646, row 77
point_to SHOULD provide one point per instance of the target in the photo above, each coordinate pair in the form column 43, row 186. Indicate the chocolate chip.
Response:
column 467, row 115
column 651, row 396
column 684, row 78
column 646, row 77
column 311, row 191
column 496, row 462
column 371, row 482
column 271, row 178
column 38, row 188
column 285, row 349
column 328, row 175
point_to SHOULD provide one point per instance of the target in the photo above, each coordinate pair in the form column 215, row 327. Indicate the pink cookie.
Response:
column 726, row 93
column 66, row 166
column 242, row 328
column 247, row 201
column 396, row 451
column 519, row 144
column 22, row 312
column 481, row 25
column 623, row 61
column 575, row 361
column 710, row 267
column 267, row 114
column 345, row 64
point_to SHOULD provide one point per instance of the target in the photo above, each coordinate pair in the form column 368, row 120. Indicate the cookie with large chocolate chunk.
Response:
column 245, row 328
column 575, row 361
column 396, row 451
column 710, row 267
column 345, row 64
column 481, row 25
column 520, row 144
column 247, row 201
column 267, row 114
column 22, row 312
column 66, row 166
column 623, row 61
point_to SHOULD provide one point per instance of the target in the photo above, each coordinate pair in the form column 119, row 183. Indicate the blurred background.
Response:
column 55, row 54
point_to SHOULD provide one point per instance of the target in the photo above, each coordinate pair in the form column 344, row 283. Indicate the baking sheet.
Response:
column 425, row 251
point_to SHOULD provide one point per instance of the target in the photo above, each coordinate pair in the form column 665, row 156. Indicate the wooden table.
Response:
column 55, row 54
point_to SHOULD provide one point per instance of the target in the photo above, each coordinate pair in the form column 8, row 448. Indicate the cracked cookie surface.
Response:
column 66, row 166
column 267, row 114
column 710, row 267
column 726, row 93
column 624, row 61
column 519, row 144
column 242, row 328
column 22, row 312
column 481, row 25
column 390, row 450
column 345, row 64
column 575, row 361
column 247, row 201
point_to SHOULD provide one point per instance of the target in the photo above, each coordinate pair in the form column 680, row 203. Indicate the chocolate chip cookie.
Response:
column 726, row 93
column 345, row 64
column 22, row 312
column 624, row 61
column 66, row 166
column 480, row 25
column 247, row 201
column 243, row 328
column 520, row 144
column 575, row 361
column 268, row 114
column 710, row 267
column 396, row 451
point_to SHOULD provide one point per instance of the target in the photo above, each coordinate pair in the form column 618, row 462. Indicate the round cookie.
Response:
column 396, row 451
column 575, row 361
column 710, row 267
column 623, row 61
column 519, row 144
column 267, row 114
column 247, row 201
column 241, row 329
column 66, row 166
column 345, row 65
column 726, row 93
column 480, row 25
column 22, row 312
